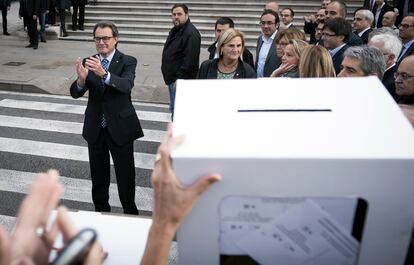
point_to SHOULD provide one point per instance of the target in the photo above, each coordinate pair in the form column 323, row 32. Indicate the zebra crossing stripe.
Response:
column 7, row 222
column 63, row 151
column 75, row 189
column 64, row 127
column 74, row 109
column 136, row 103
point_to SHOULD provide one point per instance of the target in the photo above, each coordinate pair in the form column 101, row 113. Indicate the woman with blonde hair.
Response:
column 229, row 63
column 316, row 61
column 290, row 59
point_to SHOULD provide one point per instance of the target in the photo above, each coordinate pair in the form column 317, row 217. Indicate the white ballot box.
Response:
column 310, row 168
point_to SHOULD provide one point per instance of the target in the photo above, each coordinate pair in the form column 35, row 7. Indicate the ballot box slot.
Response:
column 284, row 110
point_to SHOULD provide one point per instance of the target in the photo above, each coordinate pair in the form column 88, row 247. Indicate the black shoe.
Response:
column 81, row 28
column 35, row 47
column 74, row 28
column 64, row 34
column 29, row 46
column 6, row 33
column 42, row 40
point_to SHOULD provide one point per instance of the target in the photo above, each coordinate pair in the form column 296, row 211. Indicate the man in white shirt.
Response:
column 363, row 19
column 266, row 58
column 380, row 8
column 407, row 36
column 287, row 15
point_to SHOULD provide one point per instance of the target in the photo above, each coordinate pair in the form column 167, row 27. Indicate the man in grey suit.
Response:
column 266, row 58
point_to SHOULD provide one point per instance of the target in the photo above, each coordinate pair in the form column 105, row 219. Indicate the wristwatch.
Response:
column 105, row 75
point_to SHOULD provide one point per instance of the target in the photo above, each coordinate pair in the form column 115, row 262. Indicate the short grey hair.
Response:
column 367, row 15
column 371, row 59
column 392, row 44
column 383, row 30
column 106, row 24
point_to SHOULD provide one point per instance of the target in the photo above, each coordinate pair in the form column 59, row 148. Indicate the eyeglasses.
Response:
column 269, row 23
column 328, row 34
column 104, row 39
column 403, row 76
column 405, row 26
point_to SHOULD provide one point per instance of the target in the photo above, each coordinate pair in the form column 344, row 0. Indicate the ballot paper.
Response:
column 243, row 215
column 304, row 234
column 122, row 237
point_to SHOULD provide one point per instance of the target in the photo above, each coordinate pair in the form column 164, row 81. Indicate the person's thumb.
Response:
column 206, row 181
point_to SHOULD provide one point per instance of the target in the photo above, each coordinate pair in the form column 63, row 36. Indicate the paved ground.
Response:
column 50, row 69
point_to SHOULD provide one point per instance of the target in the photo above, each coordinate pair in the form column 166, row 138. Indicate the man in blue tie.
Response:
column 111, row 123
column 407, row 37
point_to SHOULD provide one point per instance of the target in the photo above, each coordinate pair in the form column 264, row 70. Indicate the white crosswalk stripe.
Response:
column 23, row 123
column 37, row 95
column 63, row 151
column 75, row 109
column 75, row 189
column 63, row 127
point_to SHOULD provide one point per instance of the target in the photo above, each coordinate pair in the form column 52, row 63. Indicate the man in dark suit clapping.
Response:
column 111, row 123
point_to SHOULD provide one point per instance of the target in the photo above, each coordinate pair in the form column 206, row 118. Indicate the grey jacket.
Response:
column 272, row 60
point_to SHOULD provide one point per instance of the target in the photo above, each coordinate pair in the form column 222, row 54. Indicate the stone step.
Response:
column 166, row 22
column 147, row 41
column 207, row 14
column 156, row 38
column 238, row 4
column 198, row 9
column 204, row 30
column 148, row 22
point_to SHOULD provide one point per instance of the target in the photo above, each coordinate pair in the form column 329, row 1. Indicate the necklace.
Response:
column 227, row 68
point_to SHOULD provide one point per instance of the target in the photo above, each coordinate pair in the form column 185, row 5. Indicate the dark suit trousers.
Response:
column 62, row 19
column 32, row 29
column 81, row 8
column 123, row 158
column 51, row 16
column 4, row 16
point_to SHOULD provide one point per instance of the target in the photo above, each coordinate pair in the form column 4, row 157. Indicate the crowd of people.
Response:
column 39, row 14
column 375, row 31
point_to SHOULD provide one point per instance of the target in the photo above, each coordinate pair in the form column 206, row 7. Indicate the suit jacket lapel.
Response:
column 271, row 52
column 113, row 66
column 259, row 46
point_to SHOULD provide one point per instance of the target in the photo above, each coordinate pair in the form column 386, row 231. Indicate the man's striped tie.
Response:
column 105, row 64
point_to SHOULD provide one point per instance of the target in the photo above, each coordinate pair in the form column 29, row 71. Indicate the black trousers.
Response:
column 4, row 16
column 32, row 31
column 62, row 19
column 51, row 16
column 81, row 7
column 123, row 158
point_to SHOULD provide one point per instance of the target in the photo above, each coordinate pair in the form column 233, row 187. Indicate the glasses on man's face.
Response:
column 104, row 39
column 324, row 34
column 268, row 23
column 402, row 76
column 405, row 26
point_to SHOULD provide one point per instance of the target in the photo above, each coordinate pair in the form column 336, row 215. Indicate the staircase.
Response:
column 148, row 22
